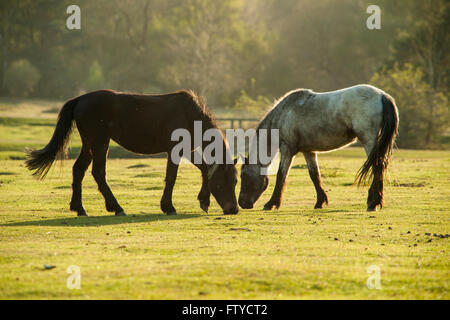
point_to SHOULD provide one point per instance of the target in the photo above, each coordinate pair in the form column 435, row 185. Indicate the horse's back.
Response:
column 140, row 123
column 352, row 105
column 321, row 121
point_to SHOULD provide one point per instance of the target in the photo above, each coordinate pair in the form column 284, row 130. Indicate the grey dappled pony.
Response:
column 310, row 123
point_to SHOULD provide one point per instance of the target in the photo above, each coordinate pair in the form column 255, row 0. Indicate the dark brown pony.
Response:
column 142, row 124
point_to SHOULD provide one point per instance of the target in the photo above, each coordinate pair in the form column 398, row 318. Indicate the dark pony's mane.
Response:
column 209, row 121
column 199, row 104
column 201, row 108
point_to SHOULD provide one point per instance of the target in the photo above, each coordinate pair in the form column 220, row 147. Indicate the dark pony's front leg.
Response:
column 204, row 194
column 171, row 176
column 283, row 171
column 314, row 173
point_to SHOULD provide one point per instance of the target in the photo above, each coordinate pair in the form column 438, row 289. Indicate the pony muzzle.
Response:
column 231, row 210
column 245, row 204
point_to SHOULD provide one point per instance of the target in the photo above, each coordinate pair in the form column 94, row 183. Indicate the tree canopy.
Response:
column 225, row 50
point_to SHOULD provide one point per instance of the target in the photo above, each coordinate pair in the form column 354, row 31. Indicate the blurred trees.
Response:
column 323, row 45
column 421, row 87
column 424, row 112
column 263, row 48
column 210, row 49
column 95, row 78
column 21, row 78
column 253, row 107
column 425, row 41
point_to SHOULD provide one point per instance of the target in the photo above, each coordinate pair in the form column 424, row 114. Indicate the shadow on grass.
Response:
column 100, row 220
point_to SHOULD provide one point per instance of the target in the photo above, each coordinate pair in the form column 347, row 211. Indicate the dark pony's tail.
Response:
column 378, row 159
column 41, row 160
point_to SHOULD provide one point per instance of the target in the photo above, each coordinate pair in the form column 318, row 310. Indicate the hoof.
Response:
column 371, row 209
column 121, row 214
column 204, row 207
column 168, row 208
column 82, row 213
column 268, row 207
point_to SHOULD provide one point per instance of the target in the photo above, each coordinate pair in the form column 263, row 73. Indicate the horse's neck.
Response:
column 255, row 146
column 224, row 143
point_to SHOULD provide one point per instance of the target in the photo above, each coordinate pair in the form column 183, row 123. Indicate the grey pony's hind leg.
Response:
column 78, row 172
column 314, row 173
column 99, row 153
column 375, row 193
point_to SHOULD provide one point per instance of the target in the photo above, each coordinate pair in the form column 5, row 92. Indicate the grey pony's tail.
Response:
column 41, row 160
column 378, row 159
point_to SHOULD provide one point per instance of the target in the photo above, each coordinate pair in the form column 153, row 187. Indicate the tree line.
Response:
column 237, row 53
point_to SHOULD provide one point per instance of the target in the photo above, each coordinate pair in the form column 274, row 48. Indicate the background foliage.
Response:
column 233, row 51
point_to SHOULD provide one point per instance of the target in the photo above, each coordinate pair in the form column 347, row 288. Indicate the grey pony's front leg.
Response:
column 171, row 176
column 285, row 164
column 204, row 194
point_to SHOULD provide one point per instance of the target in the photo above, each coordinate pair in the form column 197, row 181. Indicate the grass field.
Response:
column 293, row 253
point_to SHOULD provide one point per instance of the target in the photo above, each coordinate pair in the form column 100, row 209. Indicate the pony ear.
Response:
column 240, row 156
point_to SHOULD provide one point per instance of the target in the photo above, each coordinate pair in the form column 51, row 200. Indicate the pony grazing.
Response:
column 311, row 123
column 142, row 124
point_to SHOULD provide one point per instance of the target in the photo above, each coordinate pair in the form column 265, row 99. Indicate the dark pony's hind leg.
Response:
column 99, row 153
column 171, row 176
column 78, row 171
column 314, row 173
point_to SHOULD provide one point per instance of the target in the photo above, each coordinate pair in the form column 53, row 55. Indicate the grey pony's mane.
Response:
column 276, row 107
column 270, row 116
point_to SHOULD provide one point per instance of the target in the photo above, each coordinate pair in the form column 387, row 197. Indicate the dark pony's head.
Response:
column 222, row 175
column 222, row 179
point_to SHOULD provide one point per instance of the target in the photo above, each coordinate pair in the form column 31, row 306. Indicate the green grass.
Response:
column 30, row 108
column 286, row 254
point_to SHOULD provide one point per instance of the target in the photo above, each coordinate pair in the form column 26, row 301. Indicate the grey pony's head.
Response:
column 253, row 184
